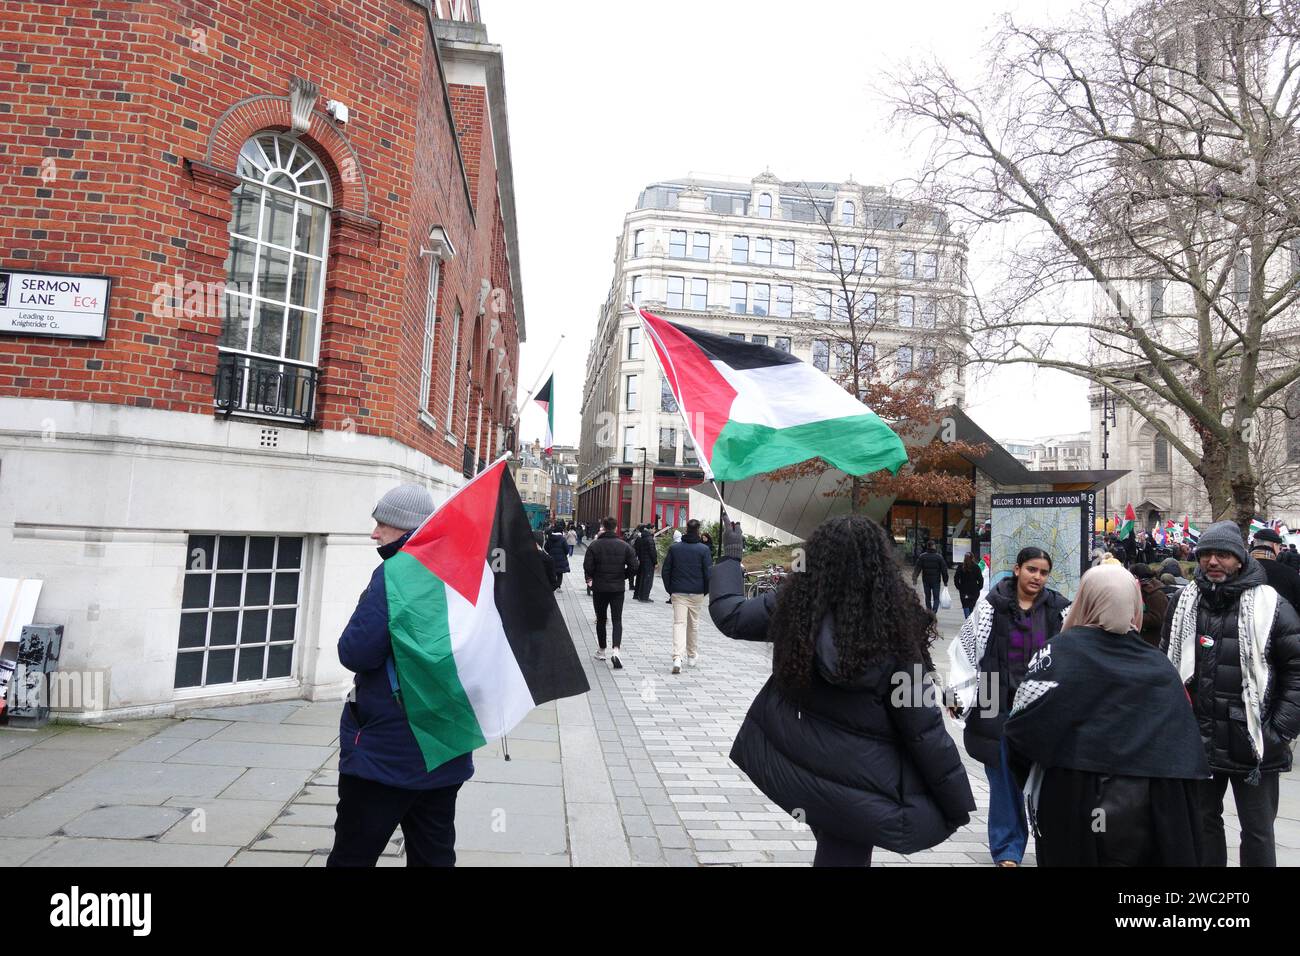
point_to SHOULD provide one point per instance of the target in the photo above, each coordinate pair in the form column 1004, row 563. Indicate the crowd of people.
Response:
column 1109, row 726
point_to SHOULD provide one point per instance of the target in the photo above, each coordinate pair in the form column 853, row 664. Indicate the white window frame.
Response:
column 848, row 213
column 451, row 387
column 699, row 293
column 695, row 246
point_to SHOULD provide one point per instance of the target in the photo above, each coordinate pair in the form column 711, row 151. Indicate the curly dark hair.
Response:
column 853, row 576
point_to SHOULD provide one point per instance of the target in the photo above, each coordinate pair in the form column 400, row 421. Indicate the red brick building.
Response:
column 306, row 215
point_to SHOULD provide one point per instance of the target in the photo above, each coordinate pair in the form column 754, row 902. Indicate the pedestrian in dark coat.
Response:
column 548, row 566
column 846, row 733
column 932, row 568
column 1284, row 580
column 969, row 579
column 1244, row 688
column 558, row 548
column 1101, row 730
column 606, row 565
column 988, row 662
column 1155, row 604
column 647, row 555
column 383, row 780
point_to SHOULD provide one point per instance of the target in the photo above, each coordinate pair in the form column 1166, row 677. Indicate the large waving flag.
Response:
column 1191, row 533
column 751, row 409
column 477, row 636
column 545, row 399
column 1129, row 527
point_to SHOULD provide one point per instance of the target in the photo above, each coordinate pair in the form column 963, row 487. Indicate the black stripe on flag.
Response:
column 734, row 352
column 530, row 617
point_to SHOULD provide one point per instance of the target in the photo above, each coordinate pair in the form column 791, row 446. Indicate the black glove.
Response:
column 733, row 541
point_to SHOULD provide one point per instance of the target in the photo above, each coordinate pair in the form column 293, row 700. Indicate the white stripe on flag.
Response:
column 782, row 396
column 485, row 663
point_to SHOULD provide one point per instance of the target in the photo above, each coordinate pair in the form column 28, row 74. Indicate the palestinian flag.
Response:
column 477, row 636
column 1256, row 526
column 1191, row 533
column 544, row 399
column 1129, row 527
column 751, row 409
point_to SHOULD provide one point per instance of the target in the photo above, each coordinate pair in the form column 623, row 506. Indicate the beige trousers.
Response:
column 686, row 623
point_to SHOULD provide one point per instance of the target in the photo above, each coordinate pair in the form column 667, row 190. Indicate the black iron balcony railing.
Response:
column 467, row 462
column 261, row 387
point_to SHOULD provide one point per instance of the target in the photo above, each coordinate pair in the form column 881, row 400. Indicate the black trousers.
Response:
column 369, row 812
column 613, row 602
column 1256, row 809
column 645, row 582
column 931, row 594
column 832, row 851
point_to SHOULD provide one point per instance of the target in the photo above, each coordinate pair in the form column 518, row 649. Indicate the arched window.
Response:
column 848, row 213
column 275, row 280
column 764, row 206
column 1160, row 455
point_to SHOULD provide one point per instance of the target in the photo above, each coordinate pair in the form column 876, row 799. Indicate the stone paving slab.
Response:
column 256, row 733
column 124, row 822
column 273, row 713
column 221, row 821
column 266, row 783
column 15, row 851
column 262, row 858
column 89, row 852
column 134, row 782
column 222, row 753
column 46, row 815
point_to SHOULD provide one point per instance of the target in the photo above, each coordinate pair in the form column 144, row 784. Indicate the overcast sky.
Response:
column 606, row 97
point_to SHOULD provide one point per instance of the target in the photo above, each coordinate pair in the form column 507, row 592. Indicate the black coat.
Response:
column 1216, row 687
column 970, row 584
column 607, row 563
column 548, row 568
column 686, row 567
column 646, row 552
column 932, row 567
column 558, row 549
column 1285, row 581
column 983, row 734
column 860, row 756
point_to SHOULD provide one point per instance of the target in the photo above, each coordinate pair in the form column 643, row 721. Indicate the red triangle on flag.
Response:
column 453, row 542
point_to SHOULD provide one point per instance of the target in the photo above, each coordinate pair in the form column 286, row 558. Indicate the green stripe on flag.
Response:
column 858, row 445
column 436, row 705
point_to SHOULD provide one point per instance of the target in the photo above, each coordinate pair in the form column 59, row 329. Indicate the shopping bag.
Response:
column 945, row 598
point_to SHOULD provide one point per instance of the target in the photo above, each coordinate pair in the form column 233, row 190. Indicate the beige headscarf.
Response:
column 1109, row 598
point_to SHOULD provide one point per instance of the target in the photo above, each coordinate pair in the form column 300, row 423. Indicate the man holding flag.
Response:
column 454, row 641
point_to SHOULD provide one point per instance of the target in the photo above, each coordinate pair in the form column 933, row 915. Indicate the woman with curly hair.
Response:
column 846, row 735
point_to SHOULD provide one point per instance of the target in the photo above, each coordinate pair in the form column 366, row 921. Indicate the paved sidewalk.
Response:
column 634, row 773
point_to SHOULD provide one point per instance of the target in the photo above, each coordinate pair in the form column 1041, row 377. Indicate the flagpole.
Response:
column 545, row 368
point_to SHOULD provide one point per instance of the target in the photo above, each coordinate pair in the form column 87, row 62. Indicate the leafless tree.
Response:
column 1148, row 150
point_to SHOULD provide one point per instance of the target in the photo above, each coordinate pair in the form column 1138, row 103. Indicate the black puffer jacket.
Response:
column 1216, row 689
column 607, row 563
column 863, row 758
column 686, row 567
column 646, row 551
column 983, row 734
column 558, row 549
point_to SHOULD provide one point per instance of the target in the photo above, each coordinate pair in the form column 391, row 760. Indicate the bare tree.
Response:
column 1149, row 150
column 850, row 320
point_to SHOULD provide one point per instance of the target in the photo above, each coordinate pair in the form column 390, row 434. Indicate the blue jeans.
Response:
column 931, row 595
column 1008, row 826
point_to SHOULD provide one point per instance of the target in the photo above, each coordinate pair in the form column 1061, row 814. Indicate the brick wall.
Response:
column 119, row 131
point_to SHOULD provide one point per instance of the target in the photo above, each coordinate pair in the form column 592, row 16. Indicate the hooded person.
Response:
column 1171, row 566
column 1101, row 730
column 1235, row 643
column 383, row 780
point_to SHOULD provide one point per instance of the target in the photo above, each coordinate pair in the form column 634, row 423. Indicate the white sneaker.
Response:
column 614, row 661
column 677, row 665
column 600, row 654
column 693, row 660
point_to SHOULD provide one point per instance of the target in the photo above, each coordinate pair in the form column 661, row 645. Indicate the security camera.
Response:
column 337, row 110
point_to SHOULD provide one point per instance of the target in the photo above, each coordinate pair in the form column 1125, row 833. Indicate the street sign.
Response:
column 54, row 304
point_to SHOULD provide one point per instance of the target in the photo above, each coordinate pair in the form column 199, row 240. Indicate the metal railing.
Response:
column 265, row 387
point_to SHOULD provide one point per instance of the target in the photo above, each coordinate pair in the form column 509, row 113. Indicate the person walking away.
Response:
column 571, row 540
column 1155, row 603
column 558, row 549
column 383, row 780
column 1101, row 730
column 647, row 554
column 685, row 575
column 931, row 568
column 548, row 565
column 988, row 661
column 1285, row 581
column 970, row 581
column 1171, row 566
column 606, row 565
column 847, row 729
column 1236, row 646
column 580, row 530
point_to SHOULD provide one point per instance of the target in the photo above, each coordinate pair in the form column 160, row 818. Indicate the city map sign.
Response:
column 1058, row 522
column 54, row 304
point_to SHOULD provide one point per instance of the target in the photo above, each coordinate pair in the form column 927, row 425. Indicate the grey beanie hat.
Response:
column 1223, row 536
column 405, row 507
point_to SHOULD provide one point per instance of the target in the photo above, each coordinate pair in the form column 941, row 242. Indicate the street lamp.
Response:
column 1107, row 419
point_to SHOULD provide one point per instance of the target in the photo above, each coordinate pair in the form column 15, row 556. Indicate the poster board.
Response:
column 960, row 548
column 1058, row 522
